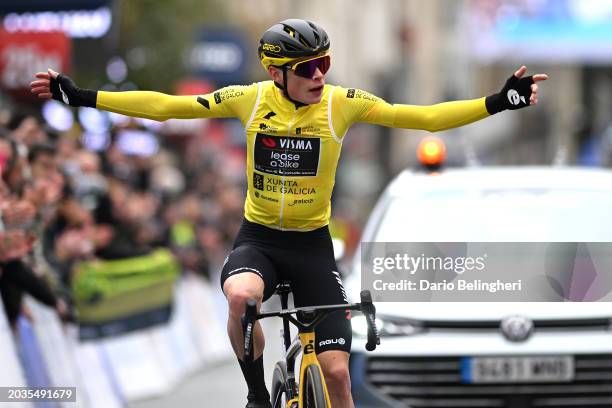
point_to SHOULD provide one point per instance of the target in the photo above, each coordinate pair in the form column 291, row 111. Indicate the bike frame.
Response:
column 303, row 342
column 306, row 319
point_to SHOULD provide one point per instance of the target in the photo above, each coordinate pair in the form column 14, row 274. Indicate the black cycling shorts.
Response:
column 306, row 259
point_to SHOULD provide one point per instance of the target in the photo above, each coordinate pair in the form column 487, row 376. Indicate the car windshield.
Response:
column 498, row 215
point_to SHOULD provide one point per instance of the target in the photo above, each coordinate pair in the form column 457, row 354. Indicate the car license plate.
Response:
column 517, row 369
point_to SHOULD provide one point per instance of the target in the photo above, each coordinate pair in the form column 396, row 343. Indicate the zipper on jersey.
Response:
column 282, row 205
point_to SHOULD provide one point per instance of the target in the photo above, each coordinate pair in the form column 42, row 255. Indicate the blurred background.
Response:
column 84, row 190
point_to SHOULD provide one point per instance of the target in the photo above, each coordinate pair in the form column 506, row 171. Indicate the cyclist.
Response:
column 295, row 125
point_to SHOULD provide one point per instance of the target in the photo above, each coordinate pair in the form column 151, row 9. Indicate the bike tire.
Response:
column 279, row 396
column 314, row 390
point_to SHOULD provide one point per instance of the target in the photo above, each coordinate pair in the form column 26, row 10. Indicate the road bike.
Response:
column 311, row 390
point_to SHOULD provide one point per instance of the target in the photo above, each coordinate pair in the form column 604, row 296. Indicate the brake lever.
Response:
column 369, row 311
column 248, row 327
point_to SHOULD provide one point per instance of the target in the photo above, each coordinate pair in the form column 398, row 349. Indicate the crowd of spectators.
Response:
column 62, row 203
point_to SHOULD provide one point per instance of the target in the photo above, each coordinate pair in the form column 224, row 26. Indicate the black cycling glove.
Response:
column 64, row 90
column 514, row 95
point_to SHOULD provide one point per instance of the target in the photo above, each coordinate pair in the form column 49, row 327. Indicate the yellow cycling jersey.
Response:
column 292, row 153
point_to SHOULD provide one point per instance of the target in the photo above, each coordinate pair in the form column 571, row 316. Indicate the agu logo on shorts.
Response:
column 287, row 156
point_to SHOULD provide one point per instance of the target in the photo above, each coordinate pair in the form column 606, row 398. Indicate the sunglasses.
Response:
column 307, row 68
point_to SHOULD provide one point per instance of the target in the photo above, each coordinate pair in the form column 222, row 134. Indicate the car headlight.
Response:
column 387, row 326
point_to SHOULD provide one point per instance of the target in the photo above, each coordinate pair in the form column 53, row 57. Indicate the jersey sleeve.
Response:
column 229, row 102
column 354, row 105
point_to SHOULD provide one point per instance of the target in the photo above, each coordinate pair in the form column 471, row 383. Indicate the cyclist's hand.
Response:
column 41, row 87
column 518, row 92
column 62, row 88
column 533, row 99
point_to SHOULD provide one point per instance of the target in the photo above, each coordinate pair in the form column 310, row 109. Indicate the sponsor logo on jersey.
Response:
column 268, row 142
column 289, row 186
column 258, row 181
column 295, row 144
column 228, row 93
column 307, row 130
column 287, row 156
column 359, row 94
column 268, row 128
column 257, row 194
column 299, row 201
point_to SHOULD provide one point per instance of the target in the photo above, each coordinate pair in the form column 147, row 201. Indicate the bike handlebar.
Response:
column 315, row 314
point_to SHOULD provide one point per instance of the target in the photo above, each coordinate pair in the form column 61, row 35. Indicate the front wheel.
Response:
column 279, row 394
column 313, row 388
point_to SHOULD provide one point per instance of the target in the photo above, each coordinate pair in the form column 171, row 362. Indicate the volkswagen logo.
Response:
column 517, row 328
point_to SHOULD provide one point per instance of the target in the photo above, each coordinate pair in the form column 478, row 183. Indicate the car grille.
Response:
column 436, row 382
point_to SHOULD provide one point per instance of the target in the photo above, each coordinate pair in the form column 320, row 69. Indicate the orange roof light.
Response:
column 431, row 152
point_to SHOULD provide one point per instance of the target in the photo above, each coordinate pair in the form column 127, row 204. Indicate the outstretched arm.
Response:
column 518, row 92
column 146, row 104
column 441, row 116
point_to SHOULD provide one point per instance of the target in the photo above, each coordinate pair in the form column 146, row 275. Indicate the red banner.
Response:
column 23, row 54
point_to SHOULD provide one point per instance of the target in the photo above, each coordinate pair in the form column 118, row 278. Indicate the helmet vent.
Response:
column 289, row 31
column 304, row 42
column 290, row 47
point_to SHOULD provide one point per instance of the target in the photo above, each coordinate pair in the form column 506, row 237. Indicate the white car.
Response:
column 467, row 355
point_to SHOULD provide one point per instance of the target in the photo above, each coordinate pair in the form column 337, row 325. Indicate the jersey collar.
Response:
column 285, row 97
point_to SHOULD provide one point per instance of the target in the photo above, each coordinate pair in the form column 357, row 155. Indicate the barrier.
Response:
column 108, row 373
column 99, row 382
column 210, row 331
column 11, row 374
column 150, row 363
column 33, row 363
column 56, row 351
column 135, row 364
column 176, row 342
